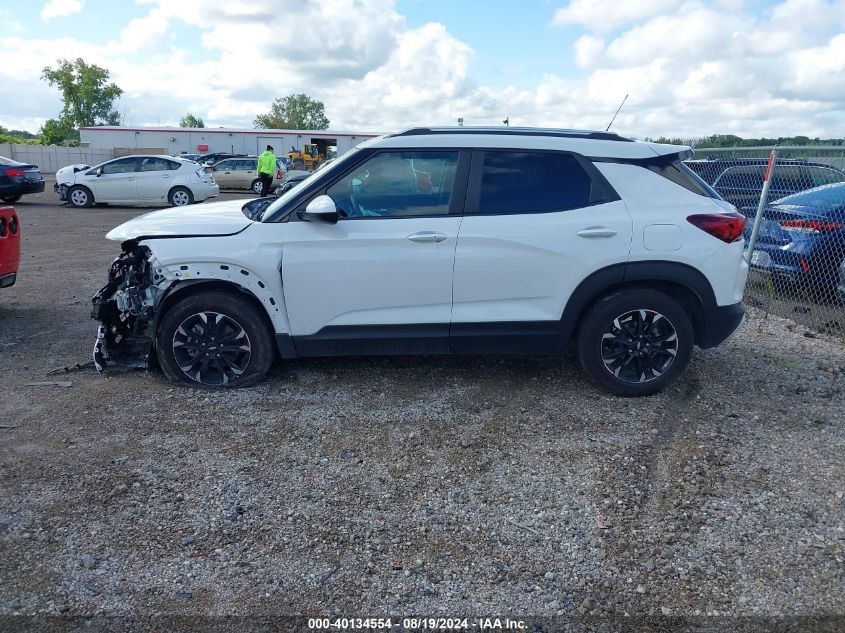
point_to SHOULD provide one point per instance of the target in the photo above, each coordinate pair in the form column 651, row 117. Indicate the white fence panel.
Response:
column 51, row 158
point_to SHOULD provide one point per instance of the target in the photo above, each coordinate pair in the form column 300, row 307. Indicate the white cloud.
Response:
column 690, row 67
column 606, row 15
column 587, row 50
column 60, row 8
column 143, row 32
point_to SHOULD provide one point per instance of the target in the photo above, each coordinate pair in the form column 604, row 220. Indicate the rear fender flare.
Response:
column 670, row 274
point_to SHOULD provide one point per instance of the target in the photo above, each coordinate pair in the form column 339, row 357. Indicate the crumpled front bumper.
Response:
column 125, row 312
column 61, row 191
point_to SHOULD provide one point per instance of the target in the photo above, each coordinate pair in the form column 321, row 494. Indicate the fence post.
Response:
column 761, row 206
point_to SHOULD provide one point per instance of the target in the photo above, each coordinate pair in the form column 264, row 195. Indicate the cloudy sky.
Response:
column 691, row 68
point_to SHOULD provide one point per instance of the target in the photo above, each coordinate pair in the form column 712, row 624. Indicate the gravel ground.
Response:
column 391, row 486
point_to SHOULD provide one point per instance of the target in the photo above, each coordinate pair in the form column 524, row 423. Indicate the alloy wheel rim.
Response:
column 180, row 198
column 639, row 346
column 211, row 348
column 257, row 187
column 79, row 197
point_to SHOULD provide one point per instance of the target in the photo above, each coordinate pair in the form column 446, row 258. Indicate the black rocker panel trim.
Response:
column 375, row 340
column 535, row 338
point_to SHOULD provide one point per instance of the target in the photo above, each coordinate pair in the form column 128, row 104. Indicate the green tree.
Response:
column 294, row 112
column 54, row 131
column 189, row 120
column 87, row 94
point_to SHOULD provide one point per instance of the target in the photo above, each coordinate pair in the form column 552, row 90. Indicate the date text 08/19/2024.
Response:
column 416, row 624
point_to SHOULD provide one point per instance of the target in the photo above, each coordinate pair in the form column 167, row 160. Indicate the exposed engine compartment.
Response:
column 125, row 307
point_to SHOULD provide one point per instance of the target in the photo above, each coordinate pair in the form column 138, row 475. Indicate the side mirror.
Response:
column 321, row 208
column 99, row 172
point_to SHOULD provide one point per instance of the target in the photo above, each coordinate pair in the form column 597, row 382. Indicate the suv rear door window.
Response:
column 532, row 182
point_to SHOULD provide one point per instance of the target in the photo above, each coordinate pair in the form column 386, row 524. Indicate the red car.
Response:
column 10, row 246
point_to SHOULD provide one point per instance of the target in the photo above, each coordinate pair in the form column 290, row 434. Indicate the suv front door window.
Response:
column 398, row 184
column 389, row 260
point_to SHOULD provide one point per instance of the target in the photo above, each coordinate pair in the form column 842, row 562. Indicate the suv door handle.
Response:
column 597, row 231
column 424, row 237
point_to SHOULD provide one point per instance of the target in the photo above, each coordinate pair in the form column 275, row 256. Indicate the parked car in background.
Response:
column 439, row 241
column 18, row 179
column 291, row 178
column 136, row 180
column 801, row 238
column 193, row 157
column 216, row 157
column 10, row 246
column 741, row 185
column 242, row 173
column 709, row 169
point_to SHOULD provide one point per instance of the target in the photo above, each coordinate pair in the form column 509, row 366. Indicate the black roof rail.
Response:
column 515, row 131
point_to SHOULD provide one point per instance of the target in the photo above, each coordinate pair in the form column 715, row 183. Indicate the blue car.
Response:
column 802, row 238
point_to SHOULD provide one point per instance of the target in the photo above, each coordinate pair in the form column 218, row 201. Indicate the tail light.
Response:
column 814, row 227
column 724, row 226
column 14, row 172
column 8, row 227
column 278, row 174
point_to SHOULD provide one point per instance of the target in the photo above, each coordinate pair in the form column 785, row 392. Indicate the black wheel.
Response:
column 180, row 197
column 80, row 197
column 10, row 199
column 256, row 186
column 215, row 339
column 635, row 342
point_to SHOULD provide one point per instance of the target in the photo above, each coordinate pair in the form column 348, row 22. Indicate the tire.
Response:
column 11, row 199
column 635, row 342
column 180, row 197
column 186, row 347
column 256, row 186
column 80, row 197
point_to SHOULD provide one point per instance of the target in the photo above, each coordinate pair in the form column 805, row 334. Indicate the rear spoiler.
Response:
column 680, row 152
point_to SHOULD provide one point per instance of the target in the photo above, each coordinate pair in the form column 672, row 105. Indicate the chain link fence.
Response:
column 797, row 244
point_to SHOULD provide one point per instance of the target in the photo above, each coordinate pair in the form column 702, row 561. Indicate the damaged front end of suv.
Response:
column 126, row 308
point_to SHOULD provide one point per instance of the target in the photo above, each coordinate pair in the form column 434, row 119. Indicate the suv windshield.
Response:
column 294, row 191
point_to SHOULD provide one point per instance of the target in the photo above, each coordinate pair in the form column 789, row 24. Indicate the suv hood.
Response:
column 218, row 218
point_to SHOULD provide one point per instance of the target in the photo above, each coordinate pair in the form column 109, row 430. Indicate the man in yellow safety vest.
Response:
column 266, row 169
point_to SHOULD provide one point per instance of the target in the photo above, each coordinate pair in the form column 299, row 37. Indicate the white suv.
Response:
column 440, row 241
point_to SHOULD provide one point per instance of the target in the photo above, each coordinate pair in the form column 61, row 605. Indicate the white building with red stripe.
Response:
column 178, row 140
